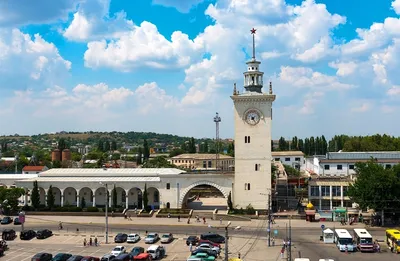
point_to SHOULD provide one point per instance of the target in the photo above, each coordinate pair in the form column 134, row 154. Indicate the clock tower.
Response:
column 253, row 115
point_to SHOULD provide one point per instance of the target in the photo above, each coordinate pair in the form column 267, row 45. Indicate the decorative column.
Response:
column 126, row 201
column 320, row 197
column 109, row 198
column 330, row 196
column 62, row 200
column 77, row 200
column 177, row 195
column 341, row 196
column 94, row 200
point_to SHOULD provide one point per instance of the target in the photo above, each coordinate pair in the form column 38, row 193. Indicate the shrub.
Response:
column 74, row 209
column 27, row 208
column 92, row 209
column 250, row 210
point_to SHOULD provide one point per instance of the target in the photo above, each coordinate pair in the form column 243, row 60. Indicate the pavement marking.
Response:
column 173, row 258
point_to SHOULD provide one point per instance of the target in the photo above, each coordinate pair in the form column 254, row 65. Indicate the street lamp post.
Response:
column 226, row 238
column 106, row 211
column 269, row 209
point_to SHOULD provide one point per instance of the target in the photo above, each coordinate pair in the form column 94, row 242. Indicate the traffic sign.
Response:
column 276, row 232
column 322, row 226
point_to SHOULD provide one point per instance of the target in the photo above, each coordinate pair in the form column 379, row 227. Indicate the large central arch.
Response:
column 199, row 183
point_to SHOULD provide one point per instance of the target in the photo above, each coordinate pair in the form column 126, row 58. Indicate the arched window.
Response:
column 156, row 196
column 168, row 205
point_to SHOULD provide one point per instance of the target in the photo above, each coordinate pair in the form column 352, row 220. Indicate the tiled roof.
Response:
column 358, row 160
column 93, row 179
column 365, row 155
column 17, row 176
column 200, row 156
column 124, row 172
column 287, row 153
column 33, row 168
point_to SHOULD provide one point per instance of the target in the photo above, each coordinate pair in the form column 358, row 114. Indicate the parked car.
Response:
column 44, row 233
column 202, row 241
column 17, row 222
column 61, row 257
column 192, row 239
column 108, row 257
column 133, row 238
column 202, row 257
column 167, row 238
column 156, row 251
column 203, row 250
column 90, row 258
column 6, row 220
column 143, row 257
column 118, row 250
column 120, row 238
column 136, row 251
column 27, row 234
column 75, row 258
column 210, row 247
column 8, row 234
column 42, row 257
column 216, row 238
column 123, row 257
column 151, row 238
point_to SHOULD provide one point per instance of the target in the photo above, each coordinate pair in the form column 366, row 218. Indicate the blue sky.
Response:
column 168, row 65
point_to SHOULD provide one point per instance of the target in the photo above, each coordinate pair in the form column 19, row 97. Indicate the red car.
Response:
column 90, row 258
column 203, row 241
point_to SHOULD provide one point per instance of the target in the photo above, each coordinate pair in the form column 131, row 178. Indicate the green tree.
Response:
column 274, row 169
column 100, row 145
column 50, row 197
column 62, row 144
column 145, row 198
column 113, row 145
column 56, row 164
column 35, row 196
column 106, row 146
column 158, row 162
column 192, row 146
column 11, row 196
column 139, row 157
column 229, row 201
column 75, row 156
column 282, row 144
column 375, row 186
column 146, row 150
column 114, row 197
column 301, row 145
column 176, row 152
column 231, row 149
column 290, row 171
column 83, row 202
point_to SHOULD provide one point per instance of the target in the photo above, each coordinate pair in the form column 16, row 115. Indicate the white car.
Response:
column 151, row 238
column 118, row 250
column 210, row 247
column 133, row 238
column 167, row 238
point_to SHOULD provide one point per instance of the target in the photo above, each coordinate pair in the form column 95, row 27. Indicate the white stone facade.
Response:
column 165, row 187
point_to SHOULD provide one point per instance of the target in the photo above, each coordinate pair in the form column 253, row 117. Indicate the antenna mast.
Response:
column 217, row 120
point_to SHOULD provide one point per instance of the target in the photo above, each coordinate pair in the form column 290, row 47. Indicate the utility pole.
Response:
column 226, row 243
column 269, row 219
column 217, row 120
column 290, row 240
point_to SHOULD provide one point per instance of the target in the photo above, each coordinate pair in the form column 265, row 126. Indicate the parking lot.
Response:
column 176, row 250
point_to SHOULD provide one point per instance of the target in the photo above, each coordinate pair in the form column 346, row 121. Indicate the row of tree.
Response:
column 106, row 146
column 309, row 146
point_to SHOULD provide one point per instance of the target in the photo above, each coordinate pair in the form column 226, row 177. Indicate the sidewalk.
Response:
column 141, row 221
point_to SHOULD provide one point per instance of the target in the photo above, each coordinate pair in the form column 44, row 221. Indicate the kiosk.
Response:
column 328, row 236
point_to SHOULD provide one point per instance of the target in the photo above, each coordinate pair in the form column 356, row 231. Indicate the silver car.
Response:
column 151, row 238
column 167, row 238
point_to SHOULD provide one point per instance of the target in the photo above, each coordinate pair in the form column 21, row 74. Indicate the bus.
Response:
column 343, row 240
column 363, row 240
column 393, row 240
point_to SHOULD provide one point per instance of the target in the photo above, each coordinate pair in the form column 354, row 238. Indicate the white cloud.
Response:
column 394, row 91
column 143, row 47
column 92, row 21
column 363, row 106
column 310, row 101
column 396, row 6
column 27, row 62
column 344, row 68
column 14, row 13
column 181, row 6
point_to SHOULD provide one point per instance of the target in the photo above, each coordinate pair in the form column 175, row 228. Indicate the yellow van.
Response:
column 393, row 240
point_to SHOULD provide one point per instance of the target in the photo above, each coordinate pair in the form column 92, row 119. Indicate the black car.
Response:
column 120, row 238
column 27, row 234
column 207, row 251
column 136, row 251
column 42, row 257
column 6, row 220
column 44, row 233
column 123, row 257
column 17, row 222
column 216, row 238
column 75, row 258
column 192, row 239
column 61, row 257
column 8, row 234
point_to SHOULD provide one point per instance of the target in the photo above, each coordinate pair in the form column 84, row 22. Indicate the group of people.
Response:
column 94, row 242
column 286, row 244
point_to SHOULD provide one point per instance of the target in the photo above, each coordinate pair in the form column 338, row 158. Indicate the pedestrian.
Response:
column 239, row 255
column 284, row 243
column 95, row 241
column 188, row 221
column 282, row 251
column 220, row 221
column 179, row 218
column 146, row 232
column 190, row 247
column 112, row 213
column 204, row 220
column 273, row 241
column 84, row 242
column 129, row 217
column 90, row 242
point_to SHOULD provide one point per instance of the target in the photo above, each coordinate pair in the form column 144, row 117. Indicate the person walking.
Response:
column 95, row 241
column 84, row 242
column 179, row 218
column 220, row 221
column 282, row 252
column 90, row 242
column 204, row 220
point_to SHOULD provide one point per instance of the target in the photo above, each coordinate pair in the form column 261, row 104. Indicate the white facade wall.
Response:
column 291, row 160
column 258, row 151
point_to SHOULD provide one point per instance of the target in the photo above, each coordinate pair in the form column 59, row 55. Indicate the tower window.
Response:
column 246, row 139
column 252, row 68
column 246, row 186
column 168, row 185
column 257, row 167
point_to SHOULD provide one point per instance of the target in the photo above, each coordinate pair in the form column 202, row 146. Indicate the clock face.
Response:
column 252, row 117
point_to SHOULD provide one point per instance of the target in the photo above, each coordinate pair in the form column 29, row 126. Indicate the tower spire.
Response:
column 253, row 32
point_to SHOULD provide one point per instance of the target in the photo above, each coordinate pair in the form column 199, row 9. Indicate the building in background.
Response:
column 203, row 162
column 34, row 169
